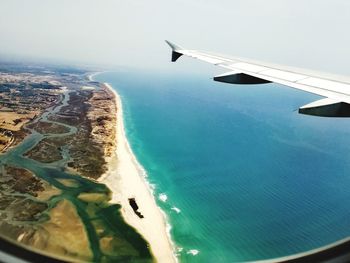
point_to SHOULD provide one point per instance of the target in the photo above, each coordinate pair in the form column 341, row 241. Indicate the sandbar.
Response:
column 126, row 179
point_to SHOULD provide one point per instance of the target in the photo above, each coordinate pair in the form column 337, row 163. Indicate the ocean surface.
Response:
column 240, row 174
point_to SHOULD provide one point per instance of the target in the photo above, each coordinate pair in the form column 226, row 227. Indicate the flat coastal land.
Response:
column 57, row 139
column 126, row 179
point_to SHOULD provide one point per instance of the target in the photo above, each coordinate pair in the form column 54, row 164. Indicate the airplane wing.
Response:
column 335, row 89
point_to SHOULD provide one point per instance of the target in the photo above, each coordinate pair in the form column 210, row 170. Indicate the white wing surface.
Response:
column 336, row 89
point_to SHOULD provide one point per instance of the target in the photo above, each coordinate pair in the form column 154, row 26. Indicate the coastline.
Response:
column 330, row 251
column 91, row 75
column 126, row 179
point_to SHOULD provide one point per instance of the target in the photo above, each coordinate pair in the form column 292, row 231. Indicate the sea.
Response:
column 239, row 173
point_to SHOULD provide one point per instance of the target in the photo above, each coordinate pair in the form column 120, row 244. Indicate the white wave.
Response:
column 151, row 186
column 163, row 197
column 143, row 173
column 193, row 252
column 177, row 210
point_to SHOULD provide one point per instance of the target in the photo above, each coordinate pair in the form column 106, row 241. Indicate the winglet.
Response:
column 173, row 46
column 176, row 51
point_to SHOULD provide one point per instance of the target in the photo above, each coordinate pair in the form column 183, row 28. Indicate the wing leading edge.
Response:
column 243, row 71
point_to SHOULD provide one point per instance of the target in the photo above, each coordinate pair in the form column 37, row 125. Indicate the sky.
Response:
column 311, row 34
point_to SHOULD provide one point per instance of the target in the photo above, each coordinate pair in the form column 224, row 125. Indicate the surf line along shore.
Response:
column 125, row 178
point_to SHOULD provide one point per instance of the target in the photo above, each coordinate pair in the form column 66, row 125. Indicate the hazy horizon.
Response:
column 118, row 33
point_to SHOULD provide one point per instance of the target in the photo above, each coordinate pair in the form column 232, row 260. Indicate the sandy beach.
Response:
column 125, row 178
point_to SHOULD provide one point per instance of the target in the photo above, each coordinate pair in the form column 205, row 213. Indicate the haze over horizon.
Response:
column 132, row 33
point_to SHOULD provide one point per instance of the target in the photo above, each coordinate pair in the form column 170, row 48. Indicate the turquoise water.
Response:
column 253, row 178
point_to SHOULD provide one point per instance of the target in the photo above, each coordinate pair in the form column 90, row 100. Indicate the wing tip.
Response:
column 175, row 54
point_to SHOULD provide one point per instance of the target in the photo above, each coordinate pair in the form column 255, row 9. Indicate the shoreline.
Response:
column 91, row 75
column 338, row 249
column 126, row 179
